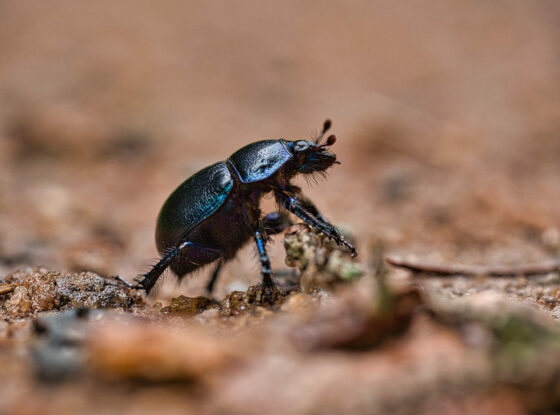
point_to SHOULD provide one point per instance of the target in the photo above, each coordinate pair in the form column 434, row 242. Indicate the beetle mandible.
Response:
column 216, row 211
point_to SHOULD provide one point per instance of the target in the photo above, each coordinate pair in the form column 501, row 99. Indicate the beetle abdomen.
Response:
column 191, row 203
column 260, row 160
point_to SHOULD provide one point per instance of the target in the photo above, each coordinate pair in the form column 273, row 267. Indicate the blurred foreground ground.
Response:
column 447, row 117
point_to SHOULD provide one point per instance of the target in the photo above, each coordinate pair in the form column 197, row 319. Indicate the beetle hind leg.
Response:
column 191, row 252
column 214, row 277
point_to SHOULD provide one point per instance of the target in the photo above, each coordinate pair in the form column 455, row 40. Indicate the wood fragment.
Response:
column 471, row 270
column 7, row 288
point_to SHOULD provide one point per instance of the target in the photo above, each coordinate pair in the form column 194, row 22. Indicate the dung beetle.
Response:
column 216, row 211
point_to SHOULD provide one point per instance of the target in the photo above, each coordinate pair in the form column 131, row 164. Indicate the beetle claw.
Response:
column 271, row 294
column 265, row 293
column 353, row 252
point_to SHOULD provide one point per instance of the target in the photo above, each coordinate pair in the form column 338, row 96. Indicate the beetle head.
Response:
column 313, row 156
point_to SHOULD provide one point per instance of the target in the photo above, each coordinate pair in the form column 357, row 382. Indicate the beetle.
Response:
column 215, row 212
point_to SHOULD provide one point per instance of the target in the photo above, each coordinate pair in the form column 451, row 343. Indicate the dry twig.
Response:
column 469, row 270
column 7, row 288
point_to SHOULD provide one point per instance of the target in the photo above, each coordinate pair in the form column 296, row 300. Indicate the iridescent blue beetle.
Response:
column 216, row 211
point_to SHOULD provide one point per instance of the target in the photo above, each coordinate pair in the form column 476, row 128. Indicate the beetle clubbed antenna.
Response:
column 326, row 125
column 330, row 141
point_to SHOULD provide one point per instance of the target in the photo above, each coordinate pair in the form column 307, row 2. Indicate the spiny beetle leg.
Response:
column 196, row 251
column 214, row 277
column 148, row 280
column 294, row 205
column 307, row 203
column 266, row 271
column 270, row 292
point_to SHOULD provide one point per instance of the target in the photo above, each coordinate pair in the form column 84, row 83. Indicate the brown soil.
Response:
column 447, row 118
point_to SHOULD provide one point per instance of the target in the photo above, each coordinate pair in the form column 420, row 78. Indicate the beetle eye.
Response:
column 301, row 146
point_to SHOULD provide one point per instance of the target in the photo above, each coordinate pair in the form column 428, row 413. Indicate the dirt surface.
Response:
column 447, row 122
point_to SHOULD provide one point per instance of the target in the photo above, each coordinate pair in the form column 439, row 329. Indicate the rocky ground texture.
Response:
column 343, row 340
column 446, row 116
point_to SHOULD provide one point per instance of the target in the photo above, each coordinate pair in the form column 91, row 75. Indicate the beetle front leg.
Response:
column 295, row 205
column 306, row 203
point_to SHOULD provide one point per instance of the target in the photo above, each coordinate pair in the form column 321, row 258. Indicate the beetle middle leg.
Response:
column 272, row 224
column 269, row 289
column 190, row 251
column 266, row 271
column 294, row 204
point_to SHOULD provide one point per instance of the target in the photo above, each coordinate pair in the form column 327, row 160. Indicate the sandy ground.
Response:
column 446, row 115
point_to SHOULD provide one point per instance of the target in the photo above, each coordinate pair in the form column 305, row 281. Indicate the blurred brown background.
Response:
column 447, row 114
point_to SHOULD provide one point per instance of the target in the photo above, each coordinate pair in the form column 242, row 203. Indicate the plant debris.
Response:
column 493, row 271
column 256, row 299
column 187, row 306
column 322, row 264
